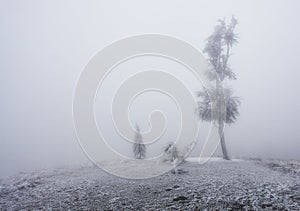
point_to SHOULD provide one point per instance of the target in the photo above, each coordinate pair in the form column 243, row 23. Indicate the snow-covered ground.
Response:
column 206, row 159
column 237, row 184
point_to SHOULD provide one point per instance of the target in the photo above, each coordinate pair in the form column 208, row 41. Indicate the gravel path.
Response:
column 231, row 185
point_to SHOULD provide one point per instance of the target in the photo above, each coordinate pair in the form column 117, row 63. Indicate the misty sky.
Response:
column 46, row 44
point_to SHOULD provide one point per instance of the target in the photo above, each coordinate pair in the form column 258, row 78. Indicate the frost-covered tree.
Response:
column 139, row 148
column 171, row 152
column 220, row 99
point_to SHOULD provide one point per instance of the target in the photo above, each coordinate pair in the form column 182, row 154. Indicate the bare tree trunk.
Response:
column 221, row 114
column 222, row 140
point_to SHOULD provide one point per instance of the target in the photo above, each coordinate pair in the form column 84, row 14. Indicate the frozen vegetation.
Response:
column 238, row 184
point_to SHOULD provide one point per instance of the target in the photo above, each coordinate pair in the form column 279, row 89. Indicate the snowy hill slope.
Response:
column 248, row 184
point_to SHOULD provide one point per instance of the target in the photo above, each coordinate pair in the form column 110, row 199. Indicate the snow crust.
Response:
column 233, row 185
